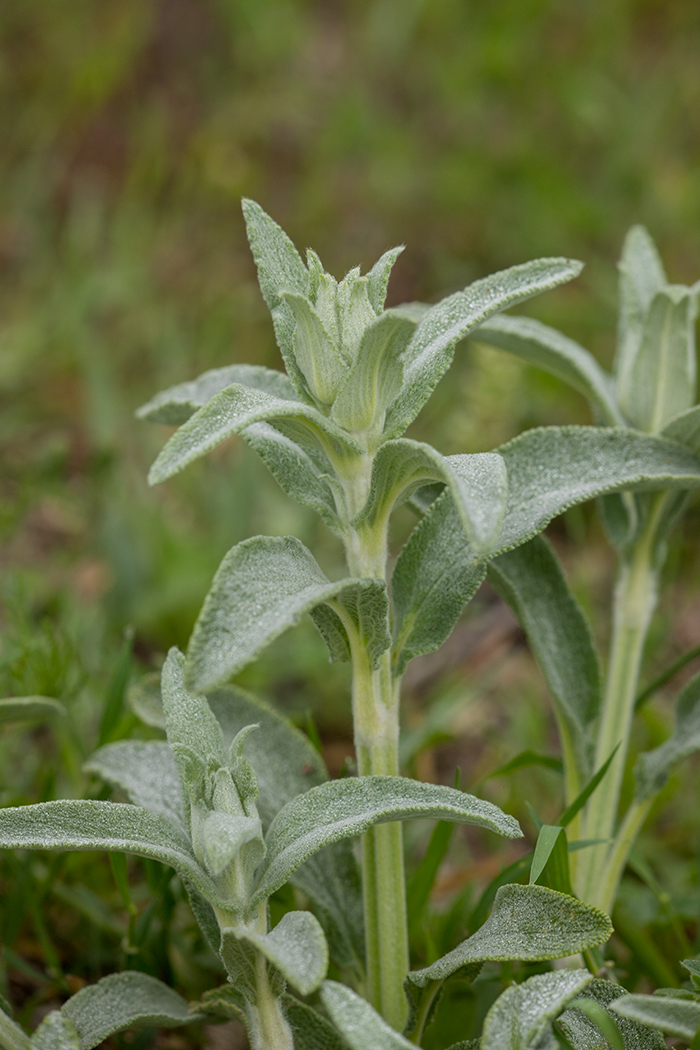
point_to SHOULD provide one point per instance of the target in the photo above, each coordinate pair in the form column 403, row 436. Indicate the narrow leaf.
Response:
column 296, row 947
column 674, row 1017
column 345, row 808
column 652, row 767
column 378, row 278
column 551, row 857
column 583, row 1034
column 188, row 719
column 175, row 405
column 430, row 352
column 262, row 587
column 29, row 708
column 322, row 365
column 360, row 1024
column 529, row 923
column 641, row 277
column 546, row 348
column 524, row 759
column 423, row 879
column 146, row 772
column 521, row 1018
column 581, row 799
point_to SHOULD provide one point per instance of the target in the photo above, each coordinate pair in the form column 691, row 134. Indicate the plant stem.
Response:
column 616, row 858
column 268, row 1027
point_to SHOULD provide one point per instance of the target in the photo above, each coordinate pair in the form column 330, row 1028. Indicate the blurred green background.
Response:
column 478, row 134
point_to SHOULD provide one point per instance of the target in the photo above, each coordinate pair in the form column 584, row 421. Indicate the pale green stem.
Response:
column 11, row 1035
column 609, row 877
column 268, row 1028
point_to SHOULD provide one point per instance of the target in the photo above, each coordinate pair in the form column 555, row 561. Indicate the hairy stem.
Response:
column 268, row 1028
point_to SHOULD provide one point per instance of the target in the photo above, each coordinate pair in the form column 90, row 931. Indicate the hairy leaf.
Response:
column 56, row 1032
column 311, row 1030
column 378, row 278
column 584, row 1035
column 675, row 1017
column 530, row 923
column 531, row 580
column 430, row 352
column 652, row 767
column 360, row 1024
column 189, row 720
column 28, row 708
column 175, row 405
column 262, row 587
column 239, row 958
column 12, row 1037
column 146, row 771
column 344, row 808
column 223, row 837
column 296, row 947
column 521, row 1018
column 551, row 859
column 546, row 348
column 685, row 429
column 323, row 366
column 641, row 277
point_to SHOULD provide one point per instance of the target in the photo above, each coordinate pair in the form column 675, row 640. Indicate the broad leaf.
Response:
column 685, row 428
column 296, row 947
column 531, row 580
column 478, row 484
column 661, row 381
column 652, row 767
column 528, row 923
column 344, row 808
column 147, row 773
column 583, row 1034
column 121, row 1001
column 641, row 277
column 56, row 1032
column 378, row 278
column 546, row 348
column 376, row 376
column 521, row 1018
column 145, row 700
column 360, row 1024
column 230, row 412
column 311, row 1030
column 262, row 587
column 175, row 405
column 430, row 352
column 29, row 708
column 674, row 1017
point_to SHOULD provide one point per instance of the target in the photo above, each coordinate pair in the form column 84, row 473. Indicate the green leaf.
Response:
column 189, row 720
column 524, row 759
column 376, row 376
column 378, row 278
column 323, row 366
column 652, row 767
column 601, row 1019
column 262, row 587
column 582, row 798
column 146, row 772
column 56, row 1032
column 521, row 1018
column 430, row 352
column 296, row 947
column 531, row 580
column 478, row 484
column 12, row 1037
column 466, row 1044
column 583, row 1034
column 674, row 1017
column 529, row 923
column 239, row 959
column 685, row 429
column 661, row 380
column 551, row 859
column 548, row 349
column 359, row 1023
column 28, row 708
column 420, row 885
column 311, row 1031
column 121, row 1001
column 641, row 277
column 144, row 699
column 223, row 837
column 175, row 405
column 230, row 412
column 348, row 807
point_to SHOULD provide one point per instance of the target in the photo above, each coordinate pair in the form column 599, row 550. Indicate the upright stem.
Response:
column 268, row 1027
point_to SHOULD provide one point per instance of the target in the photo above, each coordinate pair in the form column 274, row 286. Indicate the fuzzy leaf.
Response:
column 311, row 1030
column 56, row 1032
column 661, row 381
column 175, row 405
column 641, row 277
column 675, row 1017
column 531, row 580
column 548, row 349
column 189, row 720
column 12, row 1037
column 239, row 959
column 28, row 708
column 528, row 923
column 360, row 1024
column 478, row 483
column 521, row 1018
column 224, row 835
column 550, row 859
column 652, row 767
column 378, row 278
column 296, row 947
column 323, row 366
column 146, row 771
column 145, row 700
column 430, row 352
column 584, row 1035
column 121, row 1001
column 344, row 808
column 685, row 429
column 262, row 587
column 376, row 376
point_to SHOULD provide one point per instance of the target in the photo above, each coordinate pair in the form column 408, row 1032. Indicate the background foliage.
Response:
column 481, row 135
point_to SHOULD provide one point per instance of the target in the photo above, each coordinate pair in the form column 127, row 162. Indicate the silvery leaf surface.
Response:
column 262, row 587
column 652, row 767
column 430, row 352
column 345, row 808
column 378, row 278
column 147, row 773
column 323, row 366
column 360, row 1024
column 29, row 708
column 296, row 947
column 189, row 720
column 230, row 412
column 521, row 1018
column 529, row 923
column 91, row 825
column 175, row 405
column 280, row 269
column 531, row 580
column 223, row 837
column 550, row 350
column 12, row 1037
column 466, row 1044
column 685, row 429
column 641, row 277
column 583, row 1034
column 145, row 700
column 478, row 483
column 56, row 1032
column 311, row 1031
column 121, row 1001
column 674, row 1017
column 376, row 376
column 661, row 381
column 239, row 959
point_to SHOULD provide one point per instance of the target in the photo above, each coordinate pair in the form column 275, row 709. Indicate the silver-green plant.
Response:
column 653, row 389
